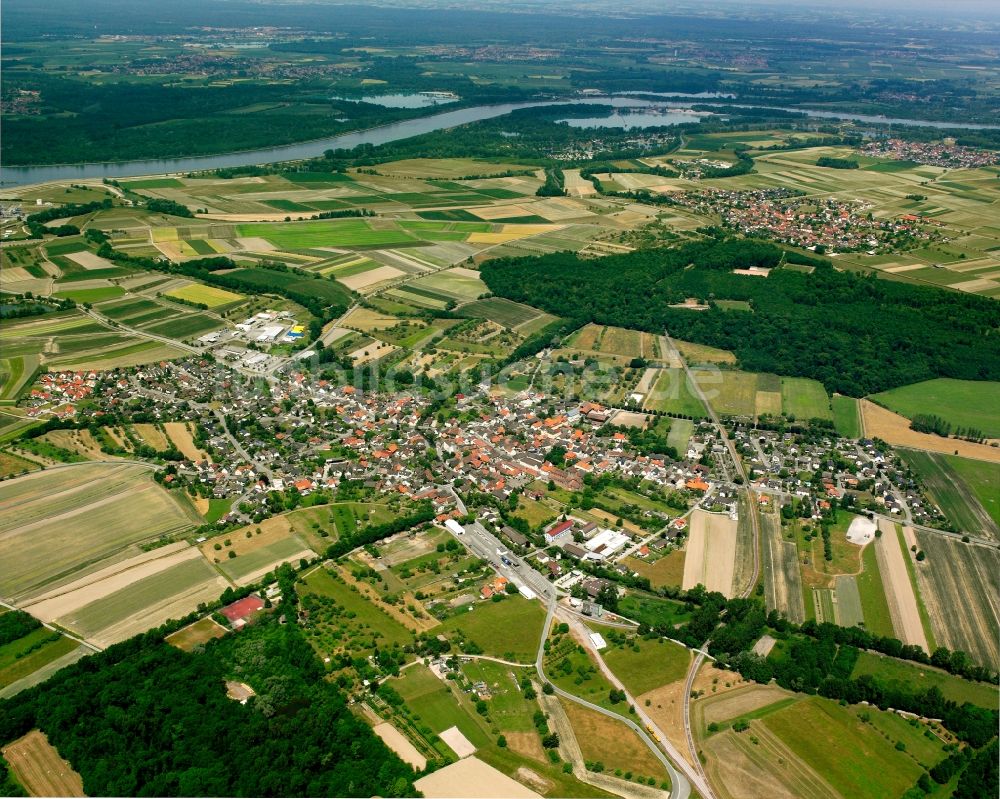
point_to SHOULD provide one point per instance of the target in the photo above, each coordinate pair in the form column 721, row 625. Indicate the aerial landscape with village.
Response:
column 500, row 400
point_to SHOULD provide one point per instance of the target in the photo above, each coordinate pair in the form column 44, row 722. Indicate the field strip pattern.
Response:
column 902, row 601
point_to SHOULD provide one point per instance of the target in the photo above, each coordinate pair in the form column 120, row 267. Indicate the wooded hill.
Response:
column 856, row 334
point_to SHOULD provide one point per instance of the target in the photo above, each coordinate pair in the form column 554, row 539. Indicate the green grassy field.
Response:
column 184, row 326
column 905, row 673
column 846, row 416
column 804, row 399
column 510, row 629
column 433, row 704
column 873, row 602
column 964, row 403
column 91, row 295
column 652, row 610
column 242, row 566
column 673, row 394
column 31, row 652
column 855, row 758
column 958, row 498
column 984, row 480
column 657, row 662
column 331, row 233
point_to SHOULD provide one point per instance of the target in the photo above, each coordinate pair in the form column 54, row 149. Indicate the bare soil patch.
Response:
column 401, row 745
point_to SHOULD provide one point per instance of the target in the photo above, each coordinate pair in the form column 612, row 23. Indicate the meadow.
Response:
column 643, row 665
column 672, row 393
column 510, row 629
column 964, row 403
column 961, row 488
column 846, row 416
column 915, row 676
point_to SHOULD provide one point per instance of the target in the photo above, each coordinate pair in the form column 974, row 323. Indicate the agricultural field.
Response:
column 508, row 314
column 666, row 570
column 780, row 565
column 957, row 575
column 711, row 552
column 58, row 524
column 248, row 553
column 805, row 399
column 963, row 403
column 879, row 422
column 39, row 769
column 205, row 295
column 846, row 416
column 960, row 500
column 850, row 751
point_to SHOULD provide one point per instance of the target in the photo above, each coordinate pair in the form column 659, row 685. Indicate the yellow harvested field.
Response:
column 39, row 768
column 500, row 212
column 471, row 778
column 371, row 277
column 494, row 238
column 159, row 234
column 895, row 429
column 152, row 436
column 898, row 589
column 180, row 434
column 733, row 704
column 711, row 552
column 611, row 742
column 700, row 353
column 531, row 230
column 366, row 320
column 206, row 295
column 401, row 745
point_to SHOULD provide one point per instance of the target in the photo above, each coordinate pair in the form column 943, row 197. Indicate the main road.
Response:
column 738, row 466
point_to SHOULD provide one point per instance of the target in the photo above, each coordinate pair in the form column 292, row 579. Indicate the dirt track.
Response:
column 898, row 588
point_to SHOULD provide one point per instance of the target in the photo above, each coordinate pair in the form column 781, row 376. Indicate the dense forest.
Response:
column 145, row 719
column 856, row 334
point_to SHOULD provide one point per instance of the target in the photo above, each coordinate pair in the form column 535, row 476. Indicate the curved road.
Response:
column 680, row 788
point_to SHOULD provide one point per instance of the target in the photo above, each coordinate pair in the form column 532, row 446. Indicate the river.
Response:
column 28, row 175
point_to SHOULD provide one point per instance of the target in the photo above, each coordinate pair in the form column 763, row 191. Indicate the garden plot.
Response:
column 711, row 552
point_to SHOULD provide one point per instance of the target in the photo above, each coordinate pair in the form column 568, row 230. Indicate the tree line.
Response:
column 854, row 333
